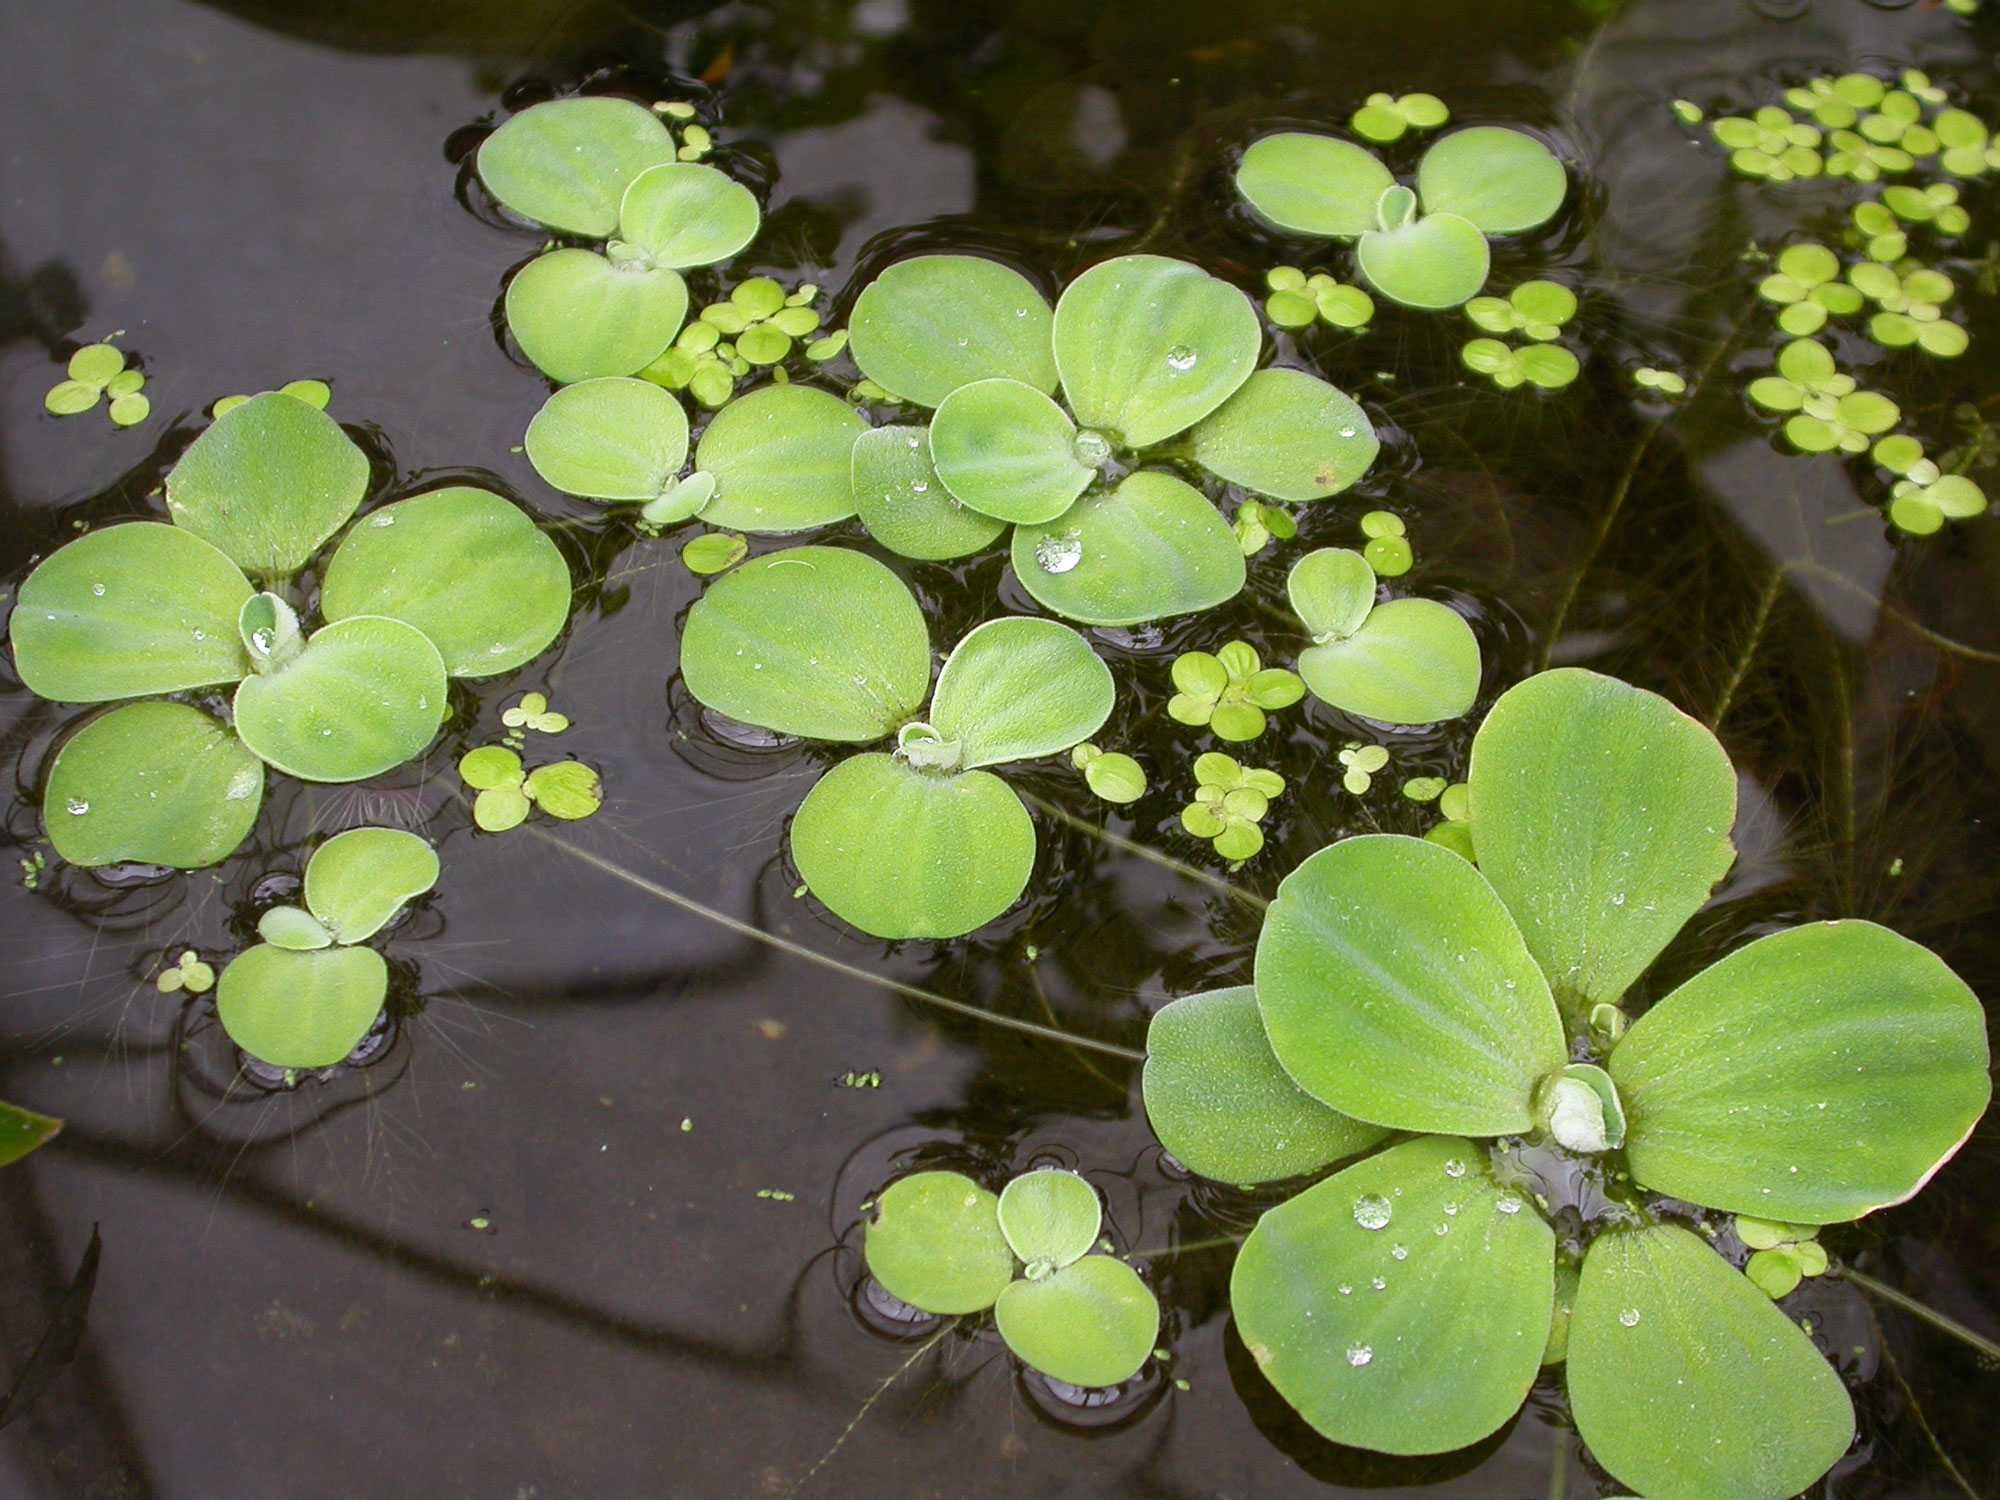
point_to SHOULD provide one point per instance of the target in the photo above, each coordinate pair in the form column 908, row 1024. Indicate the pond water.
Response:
column 586, row 1223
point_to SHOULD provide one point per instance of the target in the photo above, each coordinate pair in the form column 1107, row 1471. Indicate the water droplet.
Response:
column 260, row 641
column 1359, row 1355
column 1371, row 1211
column 920, row 486
column 1020, row 312
column 1347, row 432
column 1618, row 898
column 384, row 519
column 1059, row 554
column 77, row 807
column 1454, row 1168
column 1400, row 1252
column 1629, row 1317
column 97, row 589
column 498, row 648
column 1443, row 1227
column 1378, row 1283
column 201, row 635
column 243, row 784
column 1181, row 359
column 1346, row 1289
column 1450, row 1208
column 1507, row 1203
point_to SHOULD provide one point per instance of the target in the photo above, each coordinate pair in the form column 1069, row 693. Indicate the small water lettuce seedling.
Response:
column 1547, row 366
column 1406, row 661
column 1665, row 383
column 1911, row 298
column 1781, row 1255
column 1360, row 764
column 1230, row 800
column 456, row 582
column 1230, row 691
column 1385, row 117
column 1144, row 352
column 566, row 789
column 1827, row 412
column 1535, row 309
column 1454, row 828
column 1111, row 775
column 1770, row 143
column 22, row 1131
column 533, row 712
column 315, row 393
column 307, row 995
column 1257, row 523
column 1298, row 300
column 187, row 973
column 1388, row 546
column 1400, row 988
column 1924, row 497
column 98, row 372
column 826, row 643
column 608, row 169
column 947, row 1246
column 1807, row 289
column 1425, row 248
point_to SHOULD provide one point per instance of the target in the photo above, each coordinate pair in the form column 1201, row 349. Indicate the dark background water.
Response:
column 291, row 1301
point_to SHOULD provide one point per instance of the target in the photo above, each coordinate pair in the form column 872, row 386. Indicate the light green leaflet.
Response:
column 568, row 162
column 1656, row 792
column 1220, row 1102
column 1666, row 1340
column 301, row 1009
column 366, row 694
column 685, row 215
column 462, row 565
column 903, row 853
column 930, row 324
column 1148, row 346
column 935, row 1242
column 1408, row 661
column 1154, row 546
column 1006, row 450
column 612, row 439
column 1050, row 1215
column 267, row 482
column 821, row 642
column 1332, row 590
column 1357, row 931
column 1347, row 1295
column 153, row 783
column 132, row 609
column 1288, row 435
column 357, row 880
column 1018, row 688
column 782, row 458
column 904, row 504
column 578, row 316
column 1091, row 1323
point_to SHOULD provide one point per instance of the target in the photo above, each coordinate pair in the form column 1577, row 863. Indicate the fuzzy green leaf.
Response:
column 617, row 438
column 1008, row 451
column 932, row 323
column 1289, row 435
column 904, row 504
column 366, row 694
column 294, row 1009
column 156, row 783
column 1093, row 1323
column 1016, row 688
column 782, row 458
column 1152, row 547
column 568, row 162
column 1411, row 661
column 358, row 880
column 579, row 317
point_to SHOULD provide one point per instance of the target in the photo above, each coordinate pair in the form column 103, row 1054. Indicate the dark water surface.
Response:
column 291, row 1302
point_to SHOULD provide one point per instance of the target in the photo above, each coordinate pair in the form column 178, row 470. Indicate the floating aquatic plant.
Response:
column 98, row 372
column 22, row 1131
column 315, row 393
column 1405, row 661
column 1387, row 117
column 1230, row 801
column 1924, row 497
column 1399, row 988
column 1807, row 288
column 1534, row 309
column 1826, row 411
column 1781, row 1255
column 1548, row 366
column 1298, row 300
column 1257, row 523
column 1231, row 691
column 186, row 974
column 1110, row 774
column 945, row 1245
column 1425, row 248
column 453, row 583
column 828, row 644
column 1360, row 765
column 1388, row 546
column 507, row 791
column 307, row 994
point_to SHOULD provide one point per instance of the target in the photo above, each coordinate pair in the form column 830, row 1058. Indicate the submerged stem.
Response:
column 800, row 950
column 1921, row 1310
column 875, row 1395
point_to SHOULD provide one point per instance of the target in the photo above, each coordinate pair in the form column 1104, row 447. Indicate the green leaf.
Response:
column 267, row 483
column 467, row 568
column 1668, row 1342
column 500, row 808
column 1438, row 261
column 69, row 398
column 782, row 460
column 1420, row 1352
column 366, row 694
column 1220, row 1102
column 1412, row 661
column 294, row 928
column 904, row 504
column 683, row 215
column 935, row 1242
column 1502, row 180
column 567, row 789
column 96, row 364
column 358, row 880
column 930, row 324
column 1019, row 687
column 132, row 609
column 821, row 642
column 578, row 316
column 714, row 552
column 292, row 1009
column 156, row 783
column 1150, row 548
column 489, row 766
column 1008, row 451
column 1395, row 988
column 567, row 163
column 612, row 439
column 903, row 853
column 1313, row 184
column 22, row 1131
column 1289, row 435
column 1653, row 792
column 1813, row 1075
column 1115, row 777
column 1051, row 1216
column 1092, row 1324
column 1148, row 346
column 1332, row 590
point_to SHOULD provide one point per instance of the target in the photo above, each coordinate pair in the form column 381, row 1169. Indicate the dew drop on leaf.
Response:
column 1371, row 1211
column 1058, row 554
column 1629, row 1317
column 77, row 807
column 1359, row 1355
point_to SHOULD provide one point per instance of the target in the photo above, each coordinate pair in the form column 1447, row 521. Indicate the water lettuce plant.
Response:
column 944, row 1244
column 456, row 582
column 1230, row 692
column 1403, row 661
column 1810, row 1076
column 608, row 170
column 506, row 791
column 1153, row 359
column 98, row 372
column 1427, row 247
column 1230, row 801
column 307, row 994
column 826, row 643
